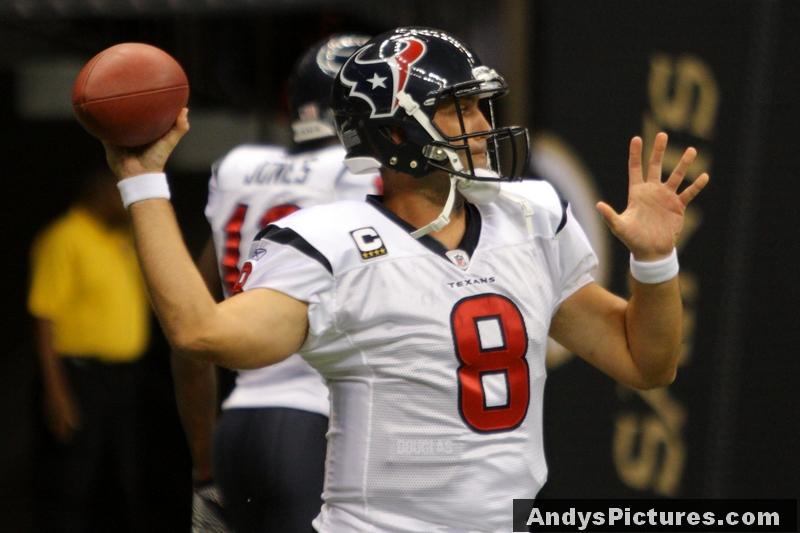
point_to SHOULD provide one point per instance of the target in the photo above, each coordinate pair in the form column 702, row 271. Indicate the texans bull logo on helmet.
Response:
column 377, row 81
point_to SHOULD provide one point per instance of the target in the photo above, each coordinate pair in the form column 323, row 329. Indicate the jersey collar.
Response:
column 468, row 242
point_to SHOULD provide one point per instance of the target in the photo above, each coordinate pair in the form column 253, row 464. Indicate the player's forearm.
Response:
column 196, row 398
column 236, row 333
column 653, row 326
column 182, row 302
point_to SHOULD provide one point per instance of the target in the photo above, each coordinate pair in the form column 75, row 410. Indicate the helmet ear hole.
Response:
column 393, row 134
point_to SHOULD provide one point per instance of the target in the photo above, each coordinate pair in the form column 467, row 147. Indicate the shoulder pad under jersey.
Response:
column 544, row 199
column 340, row 235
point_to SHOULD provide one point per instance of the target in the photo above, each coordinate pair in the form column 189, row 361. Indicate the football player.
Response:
column 427, row 310
column 269, row 443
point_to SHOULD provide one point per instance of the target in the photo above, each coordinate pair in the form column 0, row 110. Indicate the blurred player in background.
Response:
column 92, row 327
column 269, row 448
column 428, row 310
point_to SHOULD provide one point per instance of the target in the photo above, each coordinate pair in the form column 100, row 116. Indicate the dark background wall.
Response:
column 720, row 75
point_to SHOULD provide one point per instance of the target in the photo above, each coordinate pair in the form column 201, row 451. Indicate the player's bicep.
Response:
column 591, row 324
column 256, row 328
column 207, row 265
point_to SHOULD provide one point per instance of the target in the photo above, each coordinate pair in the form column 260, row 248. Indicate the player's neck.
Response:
column 419, row 201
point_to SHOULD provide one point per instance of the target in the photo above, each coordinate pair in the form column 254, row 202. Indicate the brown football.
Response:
column 130, row 94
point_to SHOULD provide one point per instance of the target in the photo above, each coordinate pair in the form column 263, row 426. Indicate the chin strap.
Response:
column 444, row 217
column 484, row 192
column 412, row 109
column 478, row 192
column 477, row 195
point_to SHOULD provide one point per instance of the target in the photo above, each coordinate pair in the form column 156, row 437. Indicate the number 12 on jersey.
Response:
column 493, row 380
column 229, row 264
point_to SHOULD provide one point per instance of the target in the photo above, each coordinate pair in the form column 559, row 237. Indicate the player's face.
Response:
column 447, row 120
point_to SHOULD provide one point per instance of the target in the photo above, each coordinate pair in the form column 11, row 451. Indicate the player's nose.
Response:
column 480, row 122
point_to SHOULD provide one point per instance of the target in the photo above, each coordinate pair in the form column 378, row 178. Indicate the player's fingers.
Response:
column 694, row 189
column 610, row 216
column 657, row 157
column 113, row 156
column 635, row 161
column 182, row 122
column 167, row 143
column 676, row 178
column 181, row 126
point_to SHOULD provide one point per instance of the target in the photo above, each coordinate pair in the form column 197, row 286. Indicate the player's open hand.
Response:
column 653, row 218
column 127, row 162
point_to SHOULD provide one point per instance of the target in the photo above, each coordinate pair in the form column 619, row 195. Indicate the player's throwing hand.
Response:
column 127, row 162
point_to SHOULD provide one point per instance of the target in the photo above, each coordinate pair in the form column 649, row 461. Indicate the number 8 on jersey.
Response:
column 491, row 343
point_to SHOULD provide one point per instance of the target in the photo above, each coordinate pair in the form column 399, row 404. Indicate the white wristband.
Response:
column 143, row 187
column 655, row 271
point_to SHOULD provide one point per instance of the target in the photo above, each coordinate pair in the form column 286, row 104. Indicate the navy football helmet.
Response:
column 395, row 82
column 310, row 86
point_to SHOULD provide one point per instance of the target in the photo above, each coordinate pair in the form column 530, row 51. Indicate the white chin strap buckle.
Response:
column 474, row 191
column 480, row 192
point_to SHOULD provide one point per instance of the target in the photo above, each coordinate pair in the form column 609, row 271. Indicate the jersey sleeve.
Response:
column 51, row 286
column 576, row 259
column 214, row 196
column 573, row 260
column 282, row 260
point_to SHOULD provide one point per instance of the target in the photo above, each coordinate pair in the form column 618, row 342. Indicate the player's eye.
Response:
column 467, row 105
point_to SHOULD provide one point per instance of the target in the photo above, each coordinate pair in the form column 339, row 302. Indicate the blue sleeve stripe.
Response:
column 292, row 238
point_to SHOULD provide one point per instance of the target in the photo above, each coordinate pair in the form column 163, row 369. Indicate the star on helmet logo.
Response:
column 365, row 76
column 377, row 81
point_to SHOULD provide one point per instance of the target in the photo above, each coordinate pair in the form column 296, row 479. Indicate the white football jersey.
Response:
column 435, row 359
column 250, row 187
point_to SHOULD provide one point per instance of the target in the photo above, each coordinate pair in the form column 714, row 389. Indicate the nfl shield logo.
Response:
column 459, row 258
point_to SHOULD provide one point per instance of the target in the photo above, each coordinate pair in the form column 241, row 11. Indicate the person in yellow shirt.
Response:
column 92, row 321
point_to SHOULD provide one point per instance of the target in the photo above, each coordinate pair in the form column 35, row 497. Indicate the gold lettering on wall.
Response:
column 683, row 97
column 649, row 448
column 658, row 463
column 683, row 94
